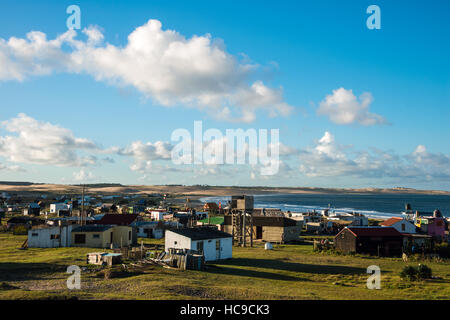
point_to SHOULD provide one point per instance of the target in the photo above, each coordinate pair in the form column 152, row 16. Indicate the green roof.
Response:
column 213, row 220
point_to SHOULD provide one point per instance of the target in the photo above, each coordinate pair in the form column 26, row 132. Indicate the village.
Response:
column 129, row 233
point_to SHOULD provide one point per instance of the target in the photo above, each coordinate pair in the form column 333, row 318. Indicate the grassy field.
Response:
column 287, row 272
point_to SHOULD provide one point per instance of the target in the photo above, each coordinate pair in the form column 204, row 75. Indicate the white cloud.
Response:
column 330, row 159
column 39, row 142
column 14, row 168
column 162, row 64
column 144, row 153
column 83, row 176
column 343, row 107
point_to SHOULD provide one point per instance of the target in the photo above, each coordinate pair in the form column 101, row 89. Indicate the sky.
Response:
column 355, row 107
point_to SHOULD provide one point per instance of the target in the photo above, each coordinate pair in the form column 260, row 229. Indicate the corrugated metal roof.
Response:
column 204, row 233
column 374, row 231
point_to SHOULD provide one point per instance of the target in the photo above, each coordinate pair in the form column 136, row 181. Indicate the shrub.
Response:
column 423, row 272
column 411, row 273
column 20, row 230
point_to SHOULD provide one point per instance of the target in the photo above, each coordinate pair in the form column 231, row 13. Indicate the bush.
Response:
column 411, row 273
column 423, row 272
column 20, row 230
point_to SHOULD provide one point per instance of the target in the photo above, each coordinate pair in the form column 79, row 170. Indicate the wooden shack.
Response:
column 381, row 241
column 277, row 229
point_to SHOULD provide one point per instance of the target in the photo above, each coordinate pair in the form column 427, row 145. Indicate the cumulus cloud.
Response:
column 343, row 107
column 144, row 153
column 162, row 64
column 331, row 159
column 40, row 142
column 83, row 176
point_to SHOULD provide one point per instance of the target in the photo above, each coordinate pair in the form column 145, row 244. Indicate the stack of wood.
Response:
column 181, row 259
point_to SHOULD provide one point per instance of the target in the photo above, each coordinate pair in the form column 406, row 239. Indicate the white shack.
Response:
column 50, row 237
column 214, row 244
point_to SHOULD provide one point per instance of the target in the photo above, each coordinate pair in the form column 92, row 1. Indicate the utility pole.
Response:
column 82, row 205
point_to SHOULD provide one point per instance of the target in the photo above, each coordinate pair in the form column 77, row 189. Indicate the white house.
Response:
column 55, row 207
column 158, row 215
column 148, row 229
column 400, row 224
column 50, row 237
column 214, row 244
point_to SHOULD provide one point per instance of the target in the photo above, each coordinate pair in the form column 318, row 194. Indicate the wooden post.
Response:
column 251, row 230
column 243, row 228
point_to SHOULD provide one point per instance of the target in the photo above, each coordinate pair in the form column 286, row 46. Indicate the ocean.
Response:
column 372, row 205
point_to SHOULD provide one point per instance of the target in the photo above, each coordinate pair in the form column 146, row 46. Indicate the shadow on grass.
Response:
column 16, row 271
column 293, row 267
column 251, row 273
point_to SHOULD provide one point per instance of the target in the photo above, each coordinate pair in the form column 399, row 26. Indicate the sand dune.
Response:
column 201, row 190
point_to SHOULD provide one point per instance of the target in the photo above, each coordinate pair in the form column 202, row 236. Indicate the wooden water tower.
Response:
column 241, row 210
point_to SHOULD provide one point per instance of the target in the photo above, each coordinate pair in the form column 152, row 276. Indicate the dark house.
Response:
column 28, row 222
column 381, row 241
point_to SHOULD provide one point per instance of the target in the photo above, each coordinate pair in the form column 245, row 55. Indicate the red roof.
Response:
column 374, row 232
column 118, row 219
column 391, row 221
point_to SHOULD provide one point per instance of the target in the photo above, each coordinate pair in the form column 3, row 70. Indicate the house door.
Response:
column 111, row 238
column 259, row 232
column 217, row 249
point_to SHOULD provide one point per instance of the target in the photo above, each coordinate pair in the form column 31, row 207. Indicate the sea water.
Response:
column 372, row 205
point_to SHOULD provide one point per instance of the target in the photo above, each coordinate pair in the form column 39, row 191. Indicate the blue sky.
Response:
column 309, row 49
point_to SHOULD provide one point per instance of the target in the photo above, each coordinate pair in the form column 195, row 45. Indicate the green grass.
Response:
column 287, row 272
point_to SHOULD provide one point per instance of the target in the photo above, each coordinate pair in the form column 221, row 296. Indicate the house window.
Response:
column 175, row 242
column 200, row 246
column 80, row 238
column 96, row 236
column 54, row 236
column 129, row 235
column 403, row 227
column 34, row 234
